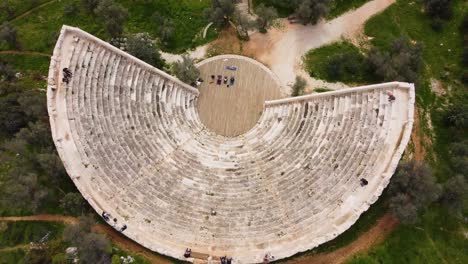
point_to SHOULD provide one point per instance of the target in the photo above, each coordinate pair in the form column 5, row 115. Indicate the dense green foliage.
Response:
column 413, row 188
column 185, row 70
column 38, row 31
column 144, row 48
column 21, row 233
column 220, row 12
column 265, row 16
column 335, row 7
column 340, row 61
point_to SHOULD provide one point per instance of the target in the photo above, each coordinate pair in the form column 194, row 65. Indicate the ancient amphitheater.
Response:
column 131, row 138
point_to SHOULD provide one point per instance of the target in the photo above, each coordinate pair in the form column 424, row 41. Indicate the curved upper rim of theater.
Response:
column 266, row 170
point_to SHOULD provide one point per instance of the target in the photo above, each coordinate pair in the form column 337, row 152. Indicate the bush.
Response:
column 90, row 5
column 113, row 16
column 456, row 114
column 439, row 9
column 143, row 47
column 8, row 35
column 244, row 24
column 345, row 67
column 311, row 11
column 72, row 204
column 464, row 77
column 185, row 70
column 60, row 259
column 71, row 9
column 299, row 86
column 455, row 192
column 265, row 15
column 465, row 57
column 402, row 63
column 92, row 248
column 413, row 188
column 165, row 29
column 464, row 25
column 221, row 12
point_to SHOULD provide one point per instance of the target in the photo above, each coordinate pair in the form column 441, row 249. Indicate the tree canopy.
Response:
column 412, row 188
column 113, row 15
column 401, row 63
column 220, row 12
column 311, row 11
column 185, row 70
column 265, row 16
column 143, row 47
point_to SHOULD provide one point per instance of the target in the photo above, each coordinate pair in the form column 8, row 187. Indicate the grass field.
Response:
column 38, row 31
column 317, row 62
column 438, row 238
column 441, row 50
column 21, row 233
column 340, row 7
column 14, row 256
column 19, row 7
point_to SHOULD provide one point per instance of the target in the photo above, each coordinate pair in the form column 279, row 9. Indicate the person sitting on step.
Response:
column 364, row 182
column 187, row 253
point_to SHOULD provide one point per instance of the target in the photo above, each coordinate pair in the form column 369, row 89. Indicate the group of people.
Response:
column 225, row 260
column 67, row 74
column 223, row 80
column 268, row 257
column 107, row 217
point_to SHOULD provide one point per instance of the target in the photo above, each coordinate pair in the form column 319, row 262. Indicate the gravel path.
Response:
column 283, row 48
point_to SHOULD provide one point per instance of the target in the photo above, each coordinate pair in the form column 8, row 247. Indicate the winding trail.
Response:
column 14, row 248
column 370, row 238
column 282, row 49
column 19, row 52
column 107, row 230
column 32, row 10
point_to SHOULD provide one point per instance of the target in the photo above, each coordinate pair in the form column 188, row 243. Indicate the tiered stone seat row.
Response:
column 131, row 140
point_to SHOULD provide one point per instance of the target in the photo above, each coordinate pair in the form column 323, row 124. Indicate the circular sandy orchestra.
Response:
column 132, row 139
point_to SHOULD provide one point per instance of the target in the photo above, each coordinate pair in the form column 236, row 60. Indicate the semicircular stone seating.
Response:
column 130, row 137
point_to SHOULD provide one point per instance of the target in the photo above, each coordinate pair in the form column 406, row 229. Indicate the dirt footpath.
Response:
column 372, row 237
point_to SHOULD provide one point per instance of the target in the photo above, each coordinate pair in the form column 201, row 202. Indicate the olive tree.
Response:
column 265, row 16
column 143, row 47
column 220, row 12
column 113, row 16
column 185, row 70
column 413, row 188
column 311, row 11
